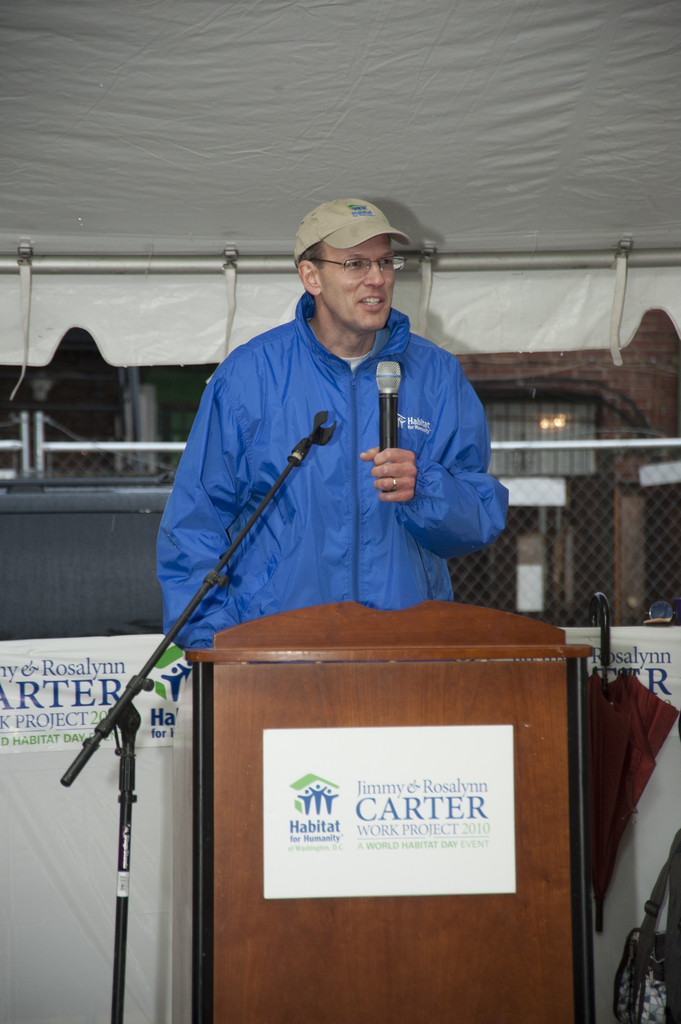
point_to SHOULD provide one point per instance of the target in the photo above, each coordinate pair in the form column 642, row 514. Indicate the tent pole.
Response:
column 597, row 259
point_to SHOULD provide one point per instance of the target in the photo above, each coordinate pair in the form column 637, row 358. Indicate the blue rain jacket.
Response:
column 325, row 537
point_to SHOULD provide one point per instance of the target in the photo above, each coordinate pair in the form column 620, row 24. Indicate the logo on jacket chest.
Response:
column 413, row 423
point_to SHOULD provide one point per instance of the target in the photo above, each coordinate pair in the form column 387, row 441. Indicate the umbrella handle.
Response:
column 599, row 615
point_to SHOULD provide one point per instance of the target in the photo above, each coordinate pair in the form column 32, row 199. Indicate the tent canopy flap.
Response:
column 170, row 319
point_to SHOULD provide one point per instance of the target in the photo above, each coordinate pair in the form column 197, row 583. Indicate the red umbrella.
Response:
column 627, row 727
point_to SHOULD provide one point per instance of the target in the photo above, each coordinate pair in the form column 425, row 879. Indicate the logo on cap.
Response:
column 360, row 211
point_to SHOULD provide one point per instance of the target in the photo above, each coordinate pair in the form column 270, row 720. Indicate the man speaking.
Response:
column 352, row 523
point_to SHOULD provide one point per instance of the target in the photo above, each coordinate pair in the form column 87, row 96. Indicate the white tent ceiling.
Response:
column 183, row 127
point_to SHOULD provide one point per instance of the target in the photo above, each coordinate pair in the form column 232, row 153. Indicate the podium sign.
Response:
column 411, row 811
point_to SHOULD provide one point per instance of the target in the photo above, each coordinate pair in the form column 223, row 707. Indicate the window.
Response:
column 541, row 421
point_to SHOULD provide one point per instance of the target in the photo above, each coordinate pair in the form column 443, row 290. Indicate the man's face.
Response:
column 358, row 302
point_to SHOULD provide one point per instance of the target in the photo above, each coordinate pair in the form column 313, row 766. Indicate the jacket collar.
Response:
column 397, row 326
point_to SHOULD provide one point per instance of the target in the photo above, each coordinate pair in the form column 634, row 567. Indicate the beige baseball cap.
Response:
column 344, row 223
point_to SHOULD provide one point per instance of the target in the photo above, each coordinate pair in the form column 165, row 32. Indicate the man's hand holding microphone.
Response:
column 394, row 469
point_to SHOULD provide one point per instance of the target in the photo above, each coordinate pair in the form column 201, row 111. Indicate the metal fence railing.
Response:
column 610, row 521
column 15, row 446
column 32, row 453
column 81, row 457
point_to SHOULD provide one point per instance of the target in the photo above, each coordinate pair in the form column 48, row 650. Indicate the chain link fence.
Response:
column 106, row 464
column 612, row 524
column 61, row 453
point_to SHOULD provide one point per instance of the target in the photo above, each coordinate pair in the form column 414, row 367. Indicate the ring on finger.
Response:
column 394, row 486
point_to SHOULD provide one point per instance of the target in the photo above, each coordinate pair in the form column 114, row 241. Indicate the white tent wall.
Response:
column 58, row 889
column 172, row 319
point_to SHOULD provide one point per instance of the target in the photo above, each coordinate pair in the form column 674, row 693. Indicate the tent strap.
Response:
column 24, row 262
column 229, row 268
column 426, row 262
column 621, row 263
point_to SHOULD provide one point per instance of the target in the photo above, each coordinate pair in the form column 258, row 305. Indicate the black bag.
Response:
column 648, row 979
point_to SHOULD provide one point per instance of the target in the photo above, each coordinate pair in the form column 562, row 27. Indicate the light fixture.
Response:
column 41, row 385
column 553, row 422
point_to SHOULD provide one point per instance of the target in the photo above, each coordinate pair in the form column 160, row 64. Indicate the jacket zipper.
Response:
column 355, row 503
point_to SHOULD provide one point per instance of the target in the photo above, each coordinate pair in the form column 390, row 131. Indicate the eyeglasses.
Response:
column 387, row 265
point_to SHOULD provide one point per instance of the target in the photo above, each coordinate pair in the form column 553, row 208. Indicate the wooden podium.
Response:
column 512, row 958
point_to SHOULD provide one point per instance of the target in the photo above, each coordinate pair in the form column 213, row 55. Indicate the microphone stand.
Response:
column 125, row 716
column 129, row 723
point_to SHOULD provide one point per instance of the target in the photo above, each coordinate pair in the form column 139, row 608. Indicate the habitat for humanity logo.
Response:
column 168, row 688
column 413, row 423
column 313, row 788
column 360, row 211
column 315, row 796
column 178, row 673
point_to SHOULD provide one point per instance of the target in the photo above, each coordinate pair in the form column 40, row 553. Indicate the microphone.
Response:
column 388, row 376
